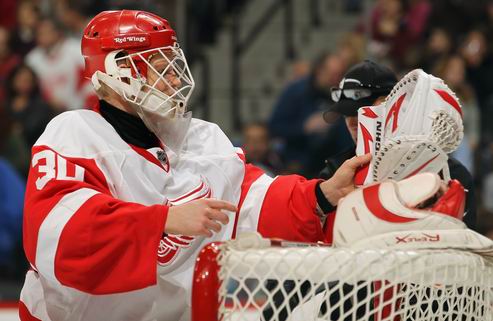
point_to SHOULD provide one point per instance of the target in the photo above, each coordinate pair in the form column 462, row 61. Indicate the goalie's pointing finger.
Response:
column 221, row 205
column 213, row 226
column 217, row 215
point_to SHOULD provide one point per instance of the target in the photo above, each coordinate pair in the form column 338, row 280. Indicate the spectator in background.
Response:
column 13, row 147
column 488, row 194
column 57, row 62
column 8, row 59
column 297, row 116
column 7, row 19
column 437, row 48
column 75, row 14
column 365, row 84
column 24, row 34
column 453, row 72
column 25, row 105
column 299, row 69
column 351, row 51
column 413, row 28
column 384, row 25
column 489, row 18
column 258, row 149
column 485, row 173
column 474, row 50
column 12, row 189
column 457, row 17
column 351, row 48
column 396, row 27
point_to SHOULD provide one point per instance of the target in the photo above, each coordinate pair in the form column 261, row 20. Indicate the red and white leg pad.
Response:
column 418, row 212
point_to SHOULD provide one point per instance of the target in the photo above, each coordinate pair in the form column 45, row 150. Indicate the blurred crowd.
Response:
column 41, row 76
column 449, row 39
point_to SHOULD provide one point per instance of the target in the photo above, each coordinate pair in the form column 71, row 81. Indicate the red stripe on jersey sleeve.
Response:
column 24, row 314
column 107, row 245
column 39, row 203
column 289, row 210
column 110, row 246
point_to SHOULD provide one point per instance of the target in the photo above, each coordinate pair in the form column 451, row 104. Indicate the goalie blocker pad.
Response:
column 387, row 215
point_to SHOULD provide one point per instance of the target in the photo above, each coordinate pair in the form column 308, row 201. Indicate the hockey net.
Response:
column 270, row 280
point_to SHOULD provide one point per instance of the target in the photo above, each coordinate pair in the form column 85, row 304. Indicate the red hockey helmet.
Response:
column 136, row 54
column 130, row 30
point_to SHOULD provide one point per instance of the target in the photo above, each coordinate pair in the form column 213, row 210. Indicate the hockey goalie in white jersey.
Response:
column 120, row 199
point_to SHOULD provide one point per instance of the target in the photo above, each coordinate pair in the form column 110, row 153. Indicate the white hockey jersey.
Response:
column 96, row 208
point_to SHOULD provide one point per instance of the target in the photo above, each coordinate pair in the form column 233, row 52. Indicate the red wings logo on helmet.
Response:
column 131, row 39
column 132, row 30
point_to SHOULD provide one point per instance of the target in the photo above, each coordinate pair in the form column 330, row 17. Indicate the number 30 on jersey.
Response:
column 53, row 166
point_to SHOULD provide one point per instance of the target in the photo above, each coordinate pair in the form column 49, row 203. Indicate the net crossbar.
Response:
column 325, row 283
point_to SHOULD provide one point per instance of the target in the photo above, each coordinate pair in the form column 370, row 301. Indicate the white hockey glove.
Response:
column 412, row 131
column 418, row 212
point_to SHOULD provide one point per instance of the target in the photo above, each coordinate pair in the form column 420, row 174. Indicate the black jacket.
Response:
column 457, row 171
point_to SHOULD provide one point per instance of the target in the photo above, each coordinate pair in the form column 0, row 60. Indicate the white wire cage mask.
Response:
column 161, row 98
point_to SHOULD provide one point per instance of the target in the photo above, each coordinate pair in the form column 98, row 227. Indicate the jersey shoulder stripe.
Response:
column 81, row 133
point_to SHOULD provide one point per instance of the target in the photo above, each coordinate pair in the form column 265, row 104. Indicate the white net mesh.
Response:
column 324, row 283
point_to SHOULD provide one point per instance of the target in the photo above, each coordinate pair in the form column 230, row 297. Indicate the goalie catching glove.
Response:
column 418, row 212
column 412, row 131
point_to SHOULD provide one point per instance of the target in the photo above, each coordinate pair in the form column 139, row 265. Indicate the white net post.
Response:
column 296, row 282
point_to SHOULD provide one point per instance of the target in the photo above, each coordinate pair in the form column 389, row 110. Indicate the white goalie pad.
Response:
column 406, row 215
column 412, row 131
column 456, row 239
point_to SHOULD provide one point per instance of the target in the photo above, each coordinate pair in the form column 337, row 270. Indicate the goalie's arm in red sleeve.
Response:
column 290, row 210
column 77, row 234
column 282, row 207
column 286, row 207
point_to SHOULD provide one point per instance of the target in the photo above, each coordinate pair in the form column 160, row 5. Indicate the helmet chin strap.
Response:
column 164, row 116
